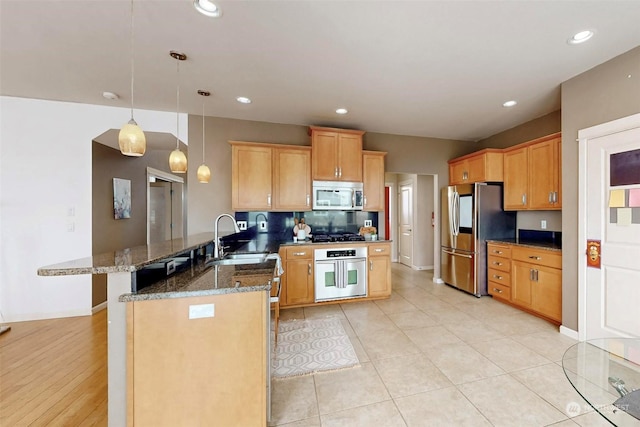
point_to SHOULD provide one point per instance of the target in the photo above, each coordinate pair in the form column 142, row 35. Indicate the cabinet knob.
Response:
column 308, row 200
column 309, row 269
column 370, row 265
column 537, row 258
column 299, row 253
column 269, row 199
column 378, row 250
column 497, row 290
column 497, row 252
column 495, row 276
column 524, row 199
column 497, row 263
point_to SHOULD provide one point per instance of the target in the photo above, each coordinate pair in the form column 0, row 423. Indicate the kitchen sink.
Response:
column 238, row 259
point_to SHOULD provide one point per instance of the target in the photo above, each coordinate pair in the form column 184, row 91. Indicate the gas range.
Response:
column 339, row 237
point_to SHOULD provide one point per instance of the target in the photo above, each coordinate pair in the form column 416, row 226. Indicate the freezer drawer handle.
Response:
column 497, row 290
column 455, row 254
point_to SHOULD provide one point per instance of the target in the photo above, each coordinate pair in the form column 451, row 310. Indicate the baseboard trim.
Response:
column 46, row 316
column 569, row 332
column 99, row 307
column 438, row 281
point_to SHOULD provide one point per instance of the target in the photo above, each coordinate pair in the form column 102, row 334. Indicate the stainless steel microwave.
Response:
column 338, row 195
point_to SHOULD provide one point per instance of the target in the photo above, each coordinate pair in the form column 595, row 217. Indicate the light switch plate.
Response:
column 201, row 311
column 263, row 225
column 242, row 225
column 367, row 223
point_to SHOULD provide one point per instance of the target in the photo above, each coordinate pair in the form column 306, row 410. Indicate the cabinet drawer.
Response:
column 499, row 263
column 379, row 249
column 497, row 250
column 301, row 252
column 499, row 277
column 499, row 290
column 537, row 256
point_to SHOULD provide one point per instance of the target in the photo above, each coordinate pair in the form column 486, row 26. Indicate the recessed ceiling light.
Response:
column 243, row 100
column 509, row 103
column 580, row 37
column 206, row 7
column 110, row 95
column 341, row 111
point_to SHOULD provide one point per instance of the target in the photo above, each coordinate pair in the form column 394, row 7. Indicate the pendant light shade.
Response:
column 204, row 173
column 131, row 139
column 177, row 159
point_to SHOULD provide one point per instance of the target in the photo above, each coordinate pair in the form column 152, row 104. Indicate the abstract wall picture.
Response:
column 121, row 198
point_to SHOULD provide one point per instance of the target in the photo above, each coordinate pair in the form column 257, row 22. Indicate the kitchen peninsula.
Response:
column 165, row 323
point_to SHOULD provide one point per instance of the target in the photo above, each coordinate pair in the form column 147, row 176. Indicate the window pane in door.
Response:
column 329, row 279
column 352, row 277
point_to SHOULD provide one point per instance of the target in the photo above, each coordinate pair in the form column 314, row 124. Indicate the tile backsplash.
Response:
column 280, row 224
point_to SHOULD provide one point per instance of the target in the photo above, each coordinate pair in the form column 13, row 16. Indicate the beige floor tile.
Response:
column 565, row 423
column 291, row 314
column 395, row 304
column 449, row 316
column 371, row 323
column 592, row 419
column 551, row 344
column 509, row 354
column 502, row 400
column 293, row 399
column 473, row 331
column 412, row 292
column 462, row 364
column 443, row 407
column 407, row 375
column 550, row 383
column 520, row 324
column 323, row 311
column 310, row 422
column 431, row 303
column 349, row 389
column 378, row 414
column 361, row 308
column 387, row 343
column 412, row 320
column 432, row 337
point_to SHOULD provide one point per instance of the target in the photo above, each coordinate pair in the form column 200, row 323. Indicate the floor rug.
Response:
column 308, row 346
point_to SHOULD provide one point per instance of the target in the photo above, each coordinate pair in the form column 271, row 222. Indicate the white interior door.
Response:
column 610, row 294
column 405, row 217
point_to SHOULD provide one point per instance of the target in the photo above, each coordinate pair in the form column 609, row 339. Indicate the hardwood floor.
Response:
column 54, row 372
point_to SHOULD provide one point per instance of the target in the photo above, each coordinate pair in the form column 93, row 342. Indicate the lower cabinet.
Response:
column 379, row 274
column 189, row 372
column 533, row 282
column 297, row 280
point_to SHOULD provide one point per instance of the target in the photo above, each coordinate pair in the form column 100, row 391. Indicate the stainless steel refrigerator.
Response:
column 471, row 215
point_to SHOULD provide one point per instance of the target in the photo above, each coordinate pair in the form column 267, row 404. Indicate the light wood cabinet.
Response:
column 373, row 180
column 379, row 274
column 297, row 280
column 532, row 176
column 251, row 176
column 183, row 371
column 526, row 277
column 482, row 166
column 336, row 154
column 270, row 177
column 292, row 178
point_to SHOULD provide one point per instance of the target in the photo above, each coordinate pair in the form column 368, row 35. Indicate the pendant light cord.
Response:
column 132, row 62
column 178, row 107
column 203, row 133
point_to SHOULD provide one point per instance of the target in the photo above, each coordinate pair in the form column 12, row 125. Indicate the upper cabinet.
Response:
column 532, row 175
column 373, row 180
column 482, row 166
column 270, row 177
column 337, row 154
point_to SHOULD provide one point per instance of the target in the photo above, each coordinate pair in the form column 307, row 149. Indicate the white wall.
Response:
column 45, row 187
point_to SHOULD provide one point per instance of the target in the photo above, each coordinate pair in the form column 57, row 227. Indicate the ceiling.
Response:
column 424, row 68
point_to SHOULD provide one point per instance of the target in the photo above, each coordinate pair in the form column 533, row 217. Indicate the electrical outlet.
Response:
column 263, row 225
column 242, row 225
column 201, row 311
column 368, row 223
column 543, row 224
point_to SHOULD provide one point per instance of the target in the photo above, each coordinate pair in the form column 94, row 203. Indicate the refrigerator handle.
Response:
column 456, row 254
column 451, row 211
column 456, row 199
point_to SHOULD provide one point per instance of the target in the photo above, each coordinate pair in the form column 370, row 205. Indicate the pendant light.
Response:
column 131, row 139
column 204, row 174
column 177, row 159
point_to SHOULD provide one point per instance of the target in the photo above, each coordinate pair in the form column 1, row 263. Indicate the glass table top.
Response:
column 602, row 371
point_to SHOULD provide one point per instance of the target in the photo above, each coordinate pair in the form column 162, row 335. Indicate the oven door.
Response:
column 340, row 278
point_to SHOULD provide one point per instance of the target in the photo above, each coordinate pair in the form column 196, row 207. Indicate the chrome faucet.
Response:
column 218, row 250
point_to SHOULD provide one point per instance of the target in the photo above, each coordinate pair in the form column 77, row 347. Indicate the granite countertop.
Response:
column 127, row 260
column 309, row 242
column 537, row 244
column 199, row 280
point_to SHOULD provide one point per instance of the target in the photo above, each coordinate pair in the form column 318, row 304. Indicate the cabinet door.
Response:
column 350, row 157
column 547, row 292
column 292, row 179
column 251, row 178
column 521, row 283
column 516, row 178
column 379, row 276
column 299, row 274
column 476, row 168
column 373, row 179
column 324, row 154
column 457, row 172
column 543, row 173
